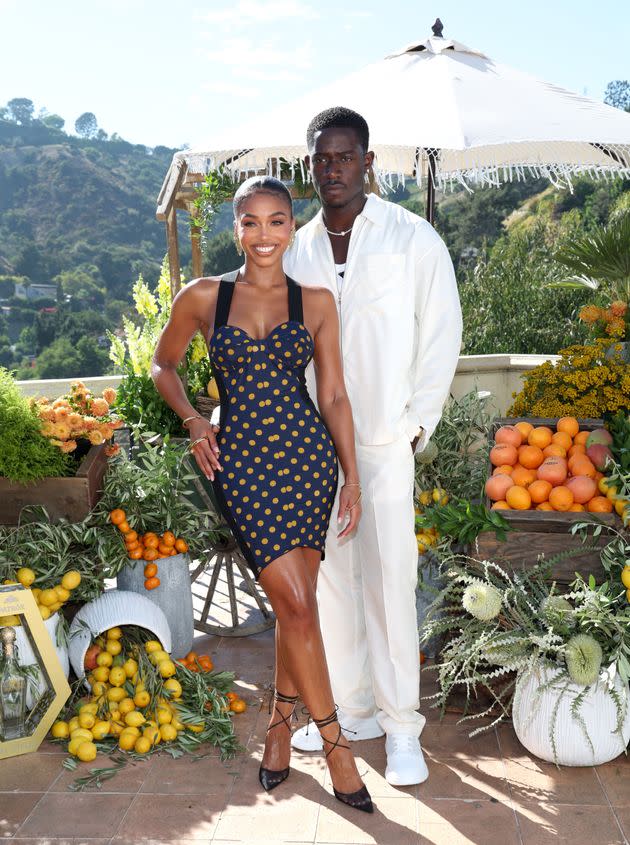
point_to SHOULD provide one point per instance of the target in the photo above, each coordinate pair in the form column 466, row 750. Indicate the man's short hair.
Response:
column 338, row 117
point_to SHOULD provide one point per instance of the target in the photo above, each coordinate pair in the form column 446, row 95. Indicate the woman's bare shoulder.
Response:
column 318, row 297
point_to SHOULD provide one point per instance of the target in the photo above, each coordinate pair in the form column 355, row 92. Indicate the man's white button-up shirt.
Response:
column 399, row 313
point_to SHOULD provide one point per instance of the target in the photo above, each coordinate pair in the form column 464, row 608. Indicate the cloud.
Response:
column 260, row 11
column 250, row 56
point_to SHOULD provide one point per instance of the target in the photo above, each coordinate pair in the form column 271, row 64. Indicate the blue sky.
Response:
column 169, row 73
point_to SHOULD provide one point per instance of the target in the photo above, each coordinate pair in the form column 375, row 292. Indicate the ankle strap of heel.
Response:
column 326, row 722
column 280, row 698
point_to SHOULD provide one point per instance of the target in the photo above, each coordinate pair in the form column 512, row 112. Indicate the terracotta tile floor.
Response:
column 480, row 792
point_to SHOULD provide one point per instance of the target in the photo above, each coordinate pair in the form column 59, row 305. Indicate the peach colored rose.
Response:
column 99, row 408
column 48, row 414
column 75, row 420
column 89, row 423
column 109, row 395
column 61, row 403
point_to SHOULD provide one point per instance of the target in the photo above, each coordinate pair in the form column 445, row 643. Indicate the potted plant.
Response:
column 559, row 664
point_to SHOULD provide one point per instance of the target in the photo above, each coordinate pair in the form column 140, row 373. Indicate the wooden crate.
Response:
column 69, row 498
column 543, row 532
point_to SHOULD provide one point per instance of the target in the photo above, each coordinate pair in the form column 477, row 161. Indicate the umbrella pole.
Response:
column 432, row 156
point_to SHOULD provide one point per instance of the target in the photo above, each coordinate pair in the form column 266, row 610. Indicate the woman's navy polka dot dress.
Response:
column 279, row 476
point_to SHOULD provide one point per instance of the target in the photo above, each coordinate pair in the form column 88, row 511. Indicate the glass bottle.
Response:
column 12, row 689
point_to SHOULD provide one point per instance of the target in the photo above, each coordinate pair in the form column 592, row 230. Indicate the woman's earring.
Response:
column 292, row 238
column 238, row 245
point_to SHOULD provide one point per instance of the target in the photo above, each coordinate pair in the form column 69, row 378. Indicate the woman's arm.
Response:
column 176, row 335
column 334, row 406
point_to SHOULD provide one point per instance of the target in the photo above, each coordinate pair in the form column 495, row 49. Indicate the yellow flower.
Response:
column 95, row 437
column 75, row 420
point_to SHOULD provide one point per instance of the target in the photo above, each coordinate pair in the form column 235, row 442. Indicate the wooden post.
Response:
column 173, row 251
column 197, row 256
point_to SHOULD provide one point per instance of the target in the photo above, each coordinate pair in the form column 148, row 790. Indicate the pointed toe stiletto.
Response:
column 270, row 778
column 361, row 799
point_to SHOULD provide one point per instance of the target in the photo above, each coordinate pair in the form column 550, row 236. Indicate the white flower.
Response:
column 483, row 601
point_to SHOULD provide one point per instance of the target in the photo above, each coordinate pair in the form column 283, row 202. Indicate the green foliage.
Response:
column 507, row 303
column 63, row 359
column 461, row 522
column 217, row 187
column 25, row 454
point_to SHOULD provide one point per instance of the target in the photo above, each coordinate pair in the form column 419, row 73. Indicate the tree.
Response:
column 618, row 94
column 220, row 253
column 86, row 125
column 59, row 360
column 20, row 110
column 53, row 121
column 80, row 284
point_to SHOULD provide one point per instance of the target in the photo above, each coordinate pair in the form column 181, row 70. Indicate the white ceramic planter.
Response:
column 112, row 608
column 26, row 655
column 532, row 716
column 173, row 596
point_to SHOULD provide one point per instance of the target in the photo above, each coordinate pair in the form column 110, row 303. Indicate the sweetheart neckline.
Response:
column 267, row 336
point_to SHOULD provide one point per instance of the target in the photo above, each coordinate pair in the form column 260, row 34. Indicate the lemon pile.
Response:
column 50, row 599
column 428, row 537
column 121, row 707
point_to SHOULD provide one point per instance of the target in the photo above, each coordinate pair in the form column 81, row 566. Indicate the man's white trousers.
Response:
column 366, row 597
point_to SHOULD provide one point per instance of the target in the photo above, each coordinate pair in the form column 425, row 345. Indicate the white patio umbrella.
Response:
column 443, row 113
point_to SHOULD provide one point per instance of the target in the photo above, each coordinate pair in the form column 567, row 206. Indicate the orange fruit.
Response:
column 131, row 537
column 508, row 434
column 544, row 506
column 164, row 550
column 569, row 425
column 599, row 504
column 168, row 538
column 577, row 449
column 133, row 545
column 205, row 663
column 149, row 554
column 151, row 541
column 580, row 438
column 150, row 570
column 539, row 490
column 151, row 583
column 576, row 507
column 504, row 469
column 503, row 454
column 518, row 498
column 497, row 486
column 582, row 465
column 124, row 527
column 599, row 475
column 181, row 545
column 173, row 552
column 561, row 498
column 583, row 488
column 553, row 470
column 117, row 516
column 540, row 436
column 191, row 657
column 523, row 477
column 238, row 706
column 561, row 438
column 500, row 506
column 232, row 696
column 136, row 554
column 524, row 428
column 530, row 457
column 554, row 451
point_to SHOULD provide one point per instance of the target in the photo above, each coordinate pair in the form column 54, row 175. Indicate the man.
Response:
column 400, row 334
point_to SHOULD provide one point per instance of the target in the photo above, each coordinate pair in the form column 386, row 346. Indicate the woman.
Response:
column 274, row 469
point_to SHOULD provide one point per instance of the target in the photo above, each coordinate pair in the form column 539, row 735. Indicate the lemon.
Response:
column 89, row 707
column 71, row 580
column 48, row 597
column 126, row 706
column 36, row 593
column 625, row 577
column 86, row 752
column 62, row 593
column 174, row 687
column 117, row 676
column 425, row 498
column 168, row 733
column 10, row 620
column 134, row 719
column 116, row 694
column 54, row 607
column 99, row 688
column 164, row 715
column 611, row 492
column 152, row 733
column 25, row 576
column 60, row 730
column 439, row 496
column 44, row 611
column 104, row 658
column 113, row 646
column 101, row 729
column 101, row 673
column 73, row 724
column 81, row 732
column 131, row 729
column 157, row 656
column 116, row 728
column 114, row 634
column 179, row 726
column 73, row 745
column 131, row 667
column 126, row 741
column 114, row 714
column 621, row 505
column 142, row 698
column 196, row 729
column 628, row 595
column 166, row 668
column 139, row 684
column 152, row 645
column 213, row 390
column 142, row 745
column 87, row 720
column 602, row 485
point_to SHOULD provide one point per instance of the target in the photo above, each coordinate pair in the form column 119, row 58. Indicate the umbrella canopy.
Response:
column 480, row 121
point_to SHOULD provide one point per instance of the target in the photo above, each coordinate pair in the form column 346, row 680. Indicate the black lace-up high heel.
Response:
column 361, row 798
column 270, row 778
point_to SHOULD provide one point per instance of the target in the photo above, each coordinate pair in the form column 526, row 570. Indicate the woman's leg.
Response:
column 278, row 742
column 290, row 588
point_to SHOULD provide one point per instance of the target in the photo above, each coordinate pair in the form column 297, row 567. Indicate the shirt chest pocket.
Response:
column 381, row 277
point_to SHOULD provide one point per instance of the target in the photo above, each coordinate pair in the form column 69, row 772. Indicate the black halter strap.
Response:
column 226, row 292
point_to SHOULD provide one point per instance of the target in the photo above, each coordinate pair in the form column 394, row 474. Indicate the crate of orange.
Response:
column 543, row 474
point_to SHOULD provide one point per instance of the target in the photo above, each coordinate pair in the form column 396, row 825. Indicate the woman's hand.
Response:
column 204, row 446
column 349, row 506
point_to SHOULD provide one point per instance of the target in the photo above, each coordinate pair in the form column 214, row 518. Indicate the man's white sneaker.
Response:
column 308, row 738
column 405, row 761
